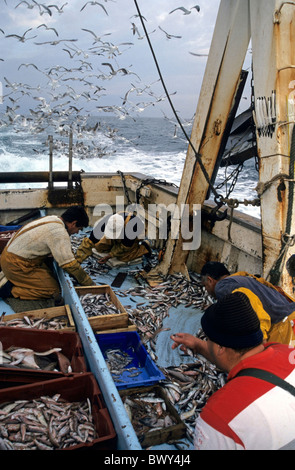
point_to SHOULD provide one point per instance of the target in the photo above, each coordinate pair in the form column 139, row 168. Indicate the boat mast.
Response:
column 270, row 24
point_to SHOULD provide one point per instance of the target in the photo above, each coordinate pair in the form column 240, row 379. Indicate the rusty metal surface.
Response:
column 38, row 176
column 63, row 196
column 271, row 25
column 220, row 84
column 273, row 36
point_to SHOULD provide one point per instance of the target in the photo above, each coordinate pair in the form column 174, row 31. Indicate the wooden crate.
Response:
column 49, row 313
column 130, row 327
column 106, row 322
column 157, row 436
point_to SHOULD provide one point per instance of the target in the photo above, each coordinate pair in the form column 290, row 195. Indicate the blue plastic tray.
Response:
column 8, row 228
column 143, row 371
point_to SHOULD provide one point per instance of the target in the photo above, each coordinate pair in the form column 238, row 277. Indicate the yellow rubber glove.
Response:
column 84, row 250
column 75, row 270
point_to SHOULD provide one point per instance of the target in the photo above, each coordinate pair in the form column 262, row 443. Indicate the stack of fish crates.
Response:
column 138, row 379
column 6, row 232
column 45, row 409
column 135, row 374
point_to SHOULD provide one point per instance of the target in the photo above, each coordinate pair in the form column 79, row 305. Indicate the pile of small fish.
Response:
column 148, row 316
column 118, row 361
column 91, row 264
column 45, row 423
column 57, row 323
column 189, row 386
column 27, row 358
column 147, row 412
column 98, row 304
column 6, row 234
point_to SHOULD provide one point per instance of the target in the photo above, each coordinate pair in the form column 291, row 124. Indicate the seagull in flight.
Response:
column 97, row 38
column 47, row 27
column 94, row 3
column 136, row 16
column 54, row 43
column 28, row 5
column 135, row 30
column 59, row 9
column 169, row 36
column 46, row 9
column 27, row 65
column 199, row 55
column 185, row 11
column 21, row 38
column 122, row 69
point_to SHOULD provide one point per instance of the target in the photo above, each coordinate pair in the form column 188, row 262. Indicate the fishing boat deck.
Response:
column 170, row 307
column 132, row 293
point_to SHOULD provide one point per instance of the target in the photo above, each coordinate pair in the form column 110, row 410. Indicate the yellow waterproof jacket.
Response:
column 274, row 329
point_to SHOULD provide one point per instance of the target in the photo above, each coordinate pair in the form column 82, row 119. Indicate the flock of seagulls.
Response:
column 42, row 8
column 61, row 94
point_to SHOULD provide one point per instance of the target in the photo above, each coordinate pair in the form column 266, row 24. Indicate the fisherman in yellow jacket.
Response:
column 25, row 261
column 116, row 236
column 274, row 308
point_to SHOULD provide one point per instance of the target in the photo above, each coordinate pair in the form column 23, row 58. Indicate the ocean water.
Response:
column 152, row 146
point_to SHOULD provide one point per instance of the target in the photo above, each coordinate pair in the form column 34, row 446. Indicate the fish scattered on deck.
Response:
column 187, row 386
column 176, row 290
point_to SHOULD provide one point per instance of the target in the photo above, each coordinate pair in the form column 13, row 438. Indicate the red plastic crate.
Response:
column 4, row 240
column 78, row 387
column 17, row 377
column 44, row 340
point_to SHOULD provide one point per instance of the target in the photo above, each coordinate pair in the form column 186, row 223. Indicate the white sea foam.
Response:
column 147, row 147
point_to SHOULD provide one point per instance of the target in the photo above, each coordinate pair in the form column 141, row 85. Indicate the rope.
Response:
column 262, row 187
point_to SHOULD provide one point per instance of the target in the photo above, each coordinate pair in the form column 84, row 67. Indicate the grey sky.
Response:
column 182, row 71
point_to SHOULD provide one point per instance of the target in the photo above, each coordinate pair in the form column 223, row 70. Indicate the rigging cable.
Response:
column 197, row 155
column 218, row 198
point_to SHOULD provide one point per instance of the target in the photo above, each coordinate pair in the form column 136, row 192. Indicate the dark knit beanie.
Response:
column 232, row 322
column 214, row 269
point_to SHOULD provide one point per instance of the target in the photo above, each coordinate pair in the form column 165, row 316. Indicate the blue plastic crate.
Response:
column 9, row 228
column 141, row 370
